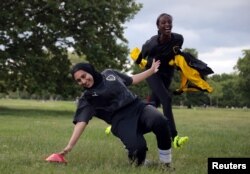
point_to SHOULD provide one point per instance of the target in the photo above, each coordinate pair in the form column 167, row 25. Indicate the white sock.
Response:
column 165, row 156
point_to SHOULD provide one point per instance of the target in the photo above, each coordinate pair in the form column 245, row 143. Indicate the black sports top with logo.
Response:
column 164, row 52
column 107, row 99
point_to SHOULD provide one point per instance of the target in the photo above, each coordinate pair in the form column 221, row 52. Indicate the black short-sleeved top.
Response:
column 163, row 52
column 106, row 99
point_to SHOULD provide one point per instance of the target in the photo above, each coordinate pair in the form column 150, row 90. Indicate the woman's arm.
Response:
column 145, row 74
column 77, row 132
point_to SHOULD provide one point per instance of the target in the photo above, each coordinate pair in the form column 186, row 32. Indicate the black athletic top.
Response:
column 163, row 52
column 107, row 100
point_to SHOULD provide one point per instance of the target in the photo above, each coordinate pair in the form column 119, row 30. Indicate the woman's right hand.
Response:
column 65, row 151
column 78, row 130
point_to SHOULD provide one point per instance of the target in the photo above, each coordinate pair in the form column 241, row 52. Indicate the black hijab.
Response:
column 89, row 69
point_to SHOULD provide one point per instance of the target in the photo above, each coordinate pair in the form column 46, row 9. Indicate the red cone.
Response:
column 56, row 158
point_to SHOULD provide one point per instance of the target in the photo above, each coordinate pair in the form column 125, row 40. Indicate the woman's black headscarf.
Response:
column 89, row 69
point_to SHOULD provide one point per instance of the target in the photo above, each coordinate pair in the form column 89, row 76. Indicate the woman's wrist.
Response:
column 67, row 149
column 152, row 70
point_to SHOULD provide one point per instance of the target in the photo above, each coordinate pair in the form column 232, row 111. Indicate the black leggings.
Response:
column 159, row 84
column 151, row 120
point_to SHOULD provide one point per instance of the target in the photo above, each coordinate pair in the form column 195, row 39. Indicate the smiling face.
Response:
column 84, row 79
column 164, row 24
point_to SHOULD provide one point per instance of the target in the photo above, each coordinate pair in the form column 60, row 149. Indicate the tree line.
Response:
column 35, row 61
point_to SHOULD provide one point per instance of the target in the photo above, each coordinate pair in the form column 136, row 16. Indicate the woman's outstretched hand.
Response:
column 137, row 78
column 155, row 65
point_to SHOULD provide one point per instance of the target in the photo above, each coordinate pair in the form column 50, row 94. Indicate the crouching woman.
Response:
column 107, row 97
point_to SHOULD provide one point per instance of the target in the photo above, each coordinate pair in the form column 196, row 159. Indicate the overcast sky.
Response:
column 218, row 29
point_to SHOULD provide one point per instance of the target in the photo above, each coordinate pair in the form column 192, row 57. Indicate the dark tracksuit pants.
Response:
column 150, row 120
column 159, row 84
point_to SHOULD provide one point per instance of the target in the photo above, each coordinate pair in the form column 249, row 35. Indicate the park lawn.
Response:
column 31, row 130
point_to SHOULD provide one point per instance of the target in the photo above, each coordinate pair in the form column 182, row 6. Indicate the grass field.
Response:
column 31, row 130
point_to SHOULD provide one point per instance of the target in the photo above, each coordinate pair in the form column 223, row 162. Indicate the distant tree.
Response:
column 35, row 35
column 225, row 90
column 74, row 58
column 231, row 97
column 217, row 93
column 243, row 84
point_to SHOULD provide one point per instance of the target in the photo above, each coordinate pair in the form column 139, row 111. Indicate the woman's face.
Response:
column 84, row 79
column 165, row 25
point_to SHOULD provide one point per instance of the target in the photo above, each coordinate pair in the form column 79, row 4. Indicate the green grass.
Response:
column 31, row 130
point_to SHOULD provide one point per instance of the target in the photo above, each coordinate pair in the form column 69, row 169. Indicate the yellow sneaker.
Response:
column 180, row 141
column 108, row 130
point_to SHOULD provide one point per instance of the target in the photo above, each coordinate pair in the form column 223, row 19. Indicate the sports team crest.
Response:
column 111, row 78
